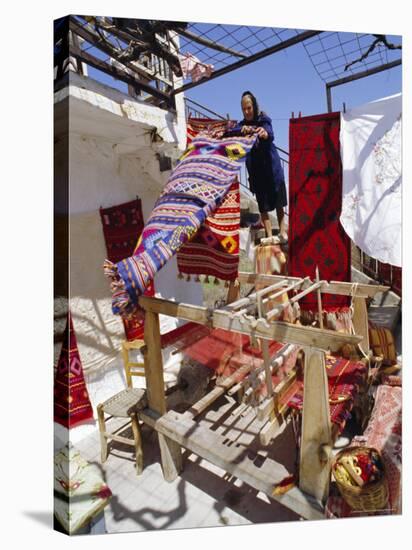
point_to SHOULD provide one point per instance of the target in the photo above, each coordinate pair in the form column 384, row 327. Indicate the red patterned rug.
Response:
column 214, row 251
column 71, row 399
column 122, row 227
column 316, row 237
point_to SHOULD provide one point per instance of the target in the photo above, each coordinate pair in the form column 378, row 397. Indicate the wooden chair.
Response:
column 132, row 368
column 125, row 404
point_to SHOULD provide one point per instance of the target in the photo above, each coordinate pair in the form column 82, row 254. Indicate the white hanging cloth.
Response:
column 370, row 138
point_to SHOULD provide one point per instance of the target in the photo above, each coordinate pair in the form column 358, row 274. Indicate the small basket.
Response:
column 371, row 497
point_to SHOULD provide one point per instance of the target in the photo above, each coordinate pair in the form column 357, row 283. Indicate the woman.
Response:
column 266, row 177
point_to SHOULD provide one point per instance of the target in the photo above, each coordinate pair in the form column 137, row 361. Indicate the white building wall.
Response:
column 112, row 159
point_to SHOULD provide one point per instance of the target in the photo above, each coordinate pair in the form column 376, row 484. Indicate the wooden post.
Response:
column 264, row 344
column 316, row 441
column 319, row 296
column 234, row 292
column 360, row 322
column 170, row 451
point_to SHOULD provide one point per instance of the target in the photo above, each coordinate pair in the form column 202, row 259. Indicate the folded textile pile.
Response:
column 194, row 190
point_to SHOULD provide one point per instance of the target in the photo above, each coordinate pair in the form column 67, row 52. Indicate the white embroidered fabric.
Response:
column 370, row 139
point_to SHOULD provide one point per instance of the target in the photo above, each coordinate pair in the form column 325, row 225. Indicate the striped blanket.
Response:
column 194, row 190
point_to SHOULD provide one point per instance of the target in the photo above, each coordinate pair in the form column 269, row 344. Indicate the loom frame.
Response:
column 181, row 430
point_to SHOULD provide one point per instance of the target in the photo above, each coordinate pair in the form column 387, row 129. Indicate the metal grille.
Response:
column 332, row 52
column 244, row 41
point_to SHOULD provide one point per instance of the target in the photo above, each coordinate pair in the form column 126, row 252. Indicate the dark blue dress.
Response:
column 266, row 176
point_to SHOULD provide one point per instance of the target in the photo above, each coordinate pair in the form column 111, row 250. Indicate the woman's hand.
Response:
column 261, row 132
column 217, row 134
column 246, row 130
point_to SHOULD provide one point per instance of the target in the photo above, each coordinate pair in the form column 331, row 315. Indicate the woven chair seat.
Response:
column 126, row 402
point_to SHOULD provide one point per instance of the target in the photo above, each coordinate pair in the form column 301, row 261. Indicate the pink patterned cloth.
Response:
column 384, row 433
column 193, row 67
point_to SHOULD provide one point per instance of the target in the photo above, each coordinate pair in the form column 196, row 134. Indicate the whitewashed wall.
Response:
column 112, row 158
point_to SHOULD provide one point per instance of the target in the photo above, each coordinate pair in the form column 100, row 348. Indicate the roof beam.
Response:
column 362, row 74
column 357, row 76
column 209, row 43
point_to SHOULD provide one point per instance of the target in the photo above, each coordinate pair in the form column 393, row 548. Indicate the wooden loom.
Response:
column 233, row 446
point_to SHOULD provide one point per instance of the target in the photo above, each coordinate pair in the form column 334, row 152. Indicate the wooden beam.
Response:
column 188, row 312
column 171, row 454
column 319, row 300
column 267, row 366
column 259, row 293
column 360, row 322
column 118, row 73
column 209, row 43
column 220, row 388
column 233, row 459
column 88, row 34
column 153, row 364
column 316, row 440
column 233, row 292
column 331, row 287
column 277, row 309
column 270, row 430
column 269, row 406
column 325, row 339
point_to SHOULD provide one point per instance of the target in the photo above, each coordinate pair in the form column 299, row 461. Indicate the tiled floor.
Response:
column 202, row 496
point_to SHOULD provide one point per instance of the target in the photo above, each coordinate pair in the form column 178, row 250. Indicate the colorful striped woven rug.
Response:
column 71, row 399
column 214, row 250
column 196, row 187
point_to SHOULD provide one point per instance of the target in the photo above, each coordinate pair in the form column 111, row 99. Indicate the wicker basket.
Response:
column 371, row 497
